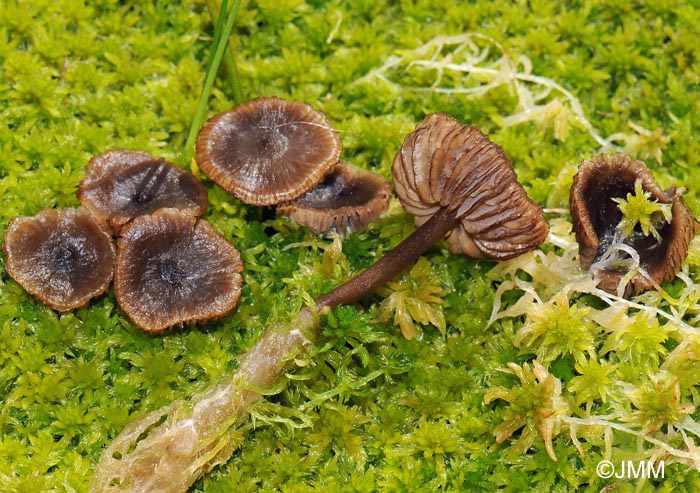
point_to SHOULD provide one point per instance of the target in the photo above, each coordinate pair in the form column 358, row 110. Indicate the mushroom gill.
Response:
column 120, row 185
column 268, row 150
column 445, row 164
column 347, row 200
column 62, row 257
column 171, row 271
column 596, row 219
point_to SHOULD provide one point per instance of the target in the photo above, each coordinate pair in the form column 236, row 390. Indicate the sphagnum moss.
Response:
column 79, row 79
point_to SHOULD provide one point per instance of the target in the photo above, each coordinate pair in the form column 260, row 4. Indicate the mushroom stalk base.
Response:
column 168, row 449
column 391, row 264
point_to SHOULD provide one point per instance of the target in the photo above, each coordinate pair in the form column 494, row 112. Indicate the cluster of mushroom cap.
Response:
column 168, row 269
column 273, row 151
column 596, row 218
column 270, row 151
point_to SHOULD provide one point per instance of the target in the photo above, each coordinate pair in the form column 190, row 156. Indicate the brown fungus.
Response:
column 596, row 219
column 452, row 178
column 170, row 271
column 268, row 150
column 121, row 184
column 62, row 257
column 445, row 164
column 347, row 200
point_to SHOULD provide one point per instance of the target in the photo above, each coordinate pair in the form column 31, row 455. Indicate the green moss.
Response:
column 369, row 410
column 638, row 209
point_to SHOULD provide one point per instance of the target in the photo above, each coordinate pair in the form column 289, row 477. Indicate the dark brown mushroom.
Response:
column 120, row 185
column 268, row 150
column 170, row 271
column 452, row 177
column 596, row 217
column 62, row 257
column 347, row 200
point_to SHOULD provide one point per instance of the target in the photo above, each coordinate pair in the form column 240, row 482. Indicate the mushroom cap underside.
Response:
column 122, row 184
column 596, row 217
column 62, row 257
column 268, row 150
column 171, row 270
column 446, row 164
column 347, row 200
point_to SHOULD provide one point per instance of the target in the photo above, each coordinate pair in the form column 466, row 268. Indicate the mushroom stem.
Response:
column 391, row 264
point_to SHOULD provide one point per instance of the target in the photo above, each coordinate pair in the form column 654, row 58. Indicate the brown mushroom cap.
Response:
column 445, row 164
column 169, row 271
column 63, row 257
column 120, row 185
column 268, row 150
column 596, row 217
column 347, row 200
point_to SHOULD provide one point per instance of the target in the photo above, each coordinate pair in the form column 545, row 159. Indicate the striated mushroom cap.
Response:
column 62, row 257
column 268, row 150
column 170, row 271
column 120, row 185
column 596, row 217
column 347, row 200
column 445, row 164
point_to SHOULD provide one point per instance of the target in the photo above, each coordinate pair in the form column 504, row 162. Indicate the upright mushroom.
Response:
column 62, row 257
column 121, row 184
column 171, row 271
column 347, row 200
column 268, row 150
column 596, row 219
column 476, row 178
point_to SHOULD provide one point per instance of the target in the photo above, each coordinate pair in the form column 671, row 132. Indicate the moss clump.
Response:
column 638, row 209
column 369, row 410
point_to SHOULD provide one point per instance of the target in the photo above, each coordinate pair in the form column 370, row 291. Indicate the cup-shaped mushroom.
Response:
column 347, row 200
column 597, row 217
column 121, row 184
column 171, row 270
column 268, row 150
column 444, row 164
column 62, row 257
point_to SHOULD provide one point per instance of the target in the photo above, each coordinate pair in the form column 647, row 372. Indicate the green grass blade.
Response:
column 219, row 44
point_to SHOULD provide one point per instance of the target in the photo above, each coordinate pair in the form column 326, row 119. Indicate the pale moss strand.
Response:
column 539, row 99
column 554, row 273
